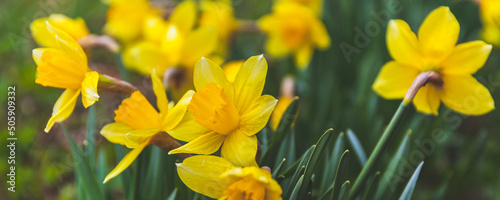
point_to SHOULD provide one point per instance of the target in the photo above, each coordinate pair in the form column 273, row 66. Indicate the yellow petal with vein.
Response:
column 249, row 82
column 466, row 95
column 89, row 89
column 63, row 107
column 161, row 95
column 125, row 162
column 205, row 144
column 438, row 34
column 257, row 115
column 240, row 149
column 115, row 132
column 206, row 72
column 202, row 174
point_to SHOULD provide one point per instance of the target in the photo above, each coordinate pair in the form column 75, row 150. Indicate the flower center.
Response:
column 295, row 32
column 246, row 189
column 212, row 109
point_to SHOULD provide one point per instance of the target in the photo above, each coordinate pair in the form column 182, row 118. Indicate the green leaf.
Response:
column 90, row 147
column 408, row 191
column 340, row 174
column 101, row 168
column 295, row 192
column 357, row 147
column 172, row 195
column 284, row 128
column 333, row 162
column 82, row 167
column 344, row 191
column 278, row 169
column 370, row 189
column 314, row 161
column 299, row 171
column 153, row 185
column 399, row 156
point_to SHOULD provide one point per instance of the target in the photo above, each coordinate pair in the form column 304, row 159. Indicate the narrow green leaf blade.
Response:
column 295, row 192
column 344, row 191
column 408, row 191
column 357, row 147
column 299, row 171
column 340, row 174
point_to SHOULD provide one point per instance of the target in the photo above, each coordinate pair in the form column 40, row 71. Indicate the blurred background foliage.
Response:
column 335, row 91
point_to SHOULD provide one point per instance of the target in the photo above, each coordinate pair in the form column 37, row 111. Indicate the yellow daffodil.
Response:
column 219, row 14
column 172, row 43
column 63, row 64
column 125, row 18
column 220, row 179
column 231, row 69
column 316, row 5
column 230, row 113
column 138, row 124
column 278, row 112
column 435, row 50
column 294, row 29
column 75, row 28
column 490, row 15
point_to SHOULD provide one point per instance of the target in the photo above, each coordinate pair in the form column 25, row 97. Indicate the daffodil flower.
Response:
column 435, row 50
column 316, row 5
column 138, row 124
column 126, row 19
column 220, row 15
column 218, row 178
column 294, row 29
column 76, row 28
column 490, row 15
column 171, row 43
column 63, row 64
column 229, row 113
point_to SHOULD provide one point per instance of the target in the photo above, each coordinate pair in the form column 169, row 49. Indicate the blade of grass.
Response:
column 340, row 174
column 344, row 191
column 357, row 147
column 408, row 191
column 85, row 174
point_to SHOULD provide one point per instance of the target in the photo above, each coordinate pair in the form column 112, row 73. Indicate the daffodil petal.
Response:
column 89, row 89
column 184, row 16
column 466, row 95
column 161, row 95
column 303, row 56
column 193, row 51
column 144, row 56
column 438, row 34
column 257, row 115
column 177, row 113
column 394, row 79
column 115, row 132
column 402, row 43
column 63, row 107
column 206, row 72
column 427, row 100
column 187, row 129
column 249, row 82
column 40, row 33
column 466, row 58
column 68, row 45
column 202, row 174
column 319, row 34
column 205, row 144
column 240, row 149
column 135, row 138
column 125, row 162
column 276, row 47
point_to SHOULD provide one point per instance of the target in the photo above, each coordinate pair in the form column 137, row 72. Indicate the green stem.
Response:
column 90, row 136
column 377, row 152
column 121, row 67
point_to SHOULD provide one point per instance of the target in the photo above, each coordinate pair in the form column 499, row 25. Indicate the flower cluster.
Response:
column 213, row 124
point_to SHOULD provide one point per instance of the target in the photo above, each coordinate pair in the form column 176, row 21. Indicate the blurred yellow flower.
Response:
column 218, row 178
column 172, row 43
column 219, row 14
column 63, row 64
column 490, row 15
column 278, row 112
column 435, row 50
column 316, row 5
column 125, row 18
column 138, row 122
column 231, row 69
column 294, row 29
column 76, row 28
column 230, row 113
